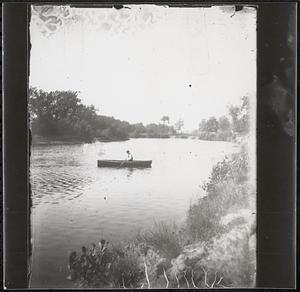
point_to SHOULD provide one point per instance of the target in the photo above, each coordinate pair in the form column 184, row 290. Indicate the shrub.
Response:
column 125, row 270
column 235, row 167
column 167, row 239
column 106, row 266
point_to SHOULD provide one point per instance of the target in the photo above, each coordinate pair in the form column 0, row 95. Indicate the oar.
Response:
column 122, row 163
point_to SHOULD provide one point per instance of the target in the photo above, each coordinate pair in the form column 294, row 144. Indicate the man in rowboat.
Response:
column 129, row 156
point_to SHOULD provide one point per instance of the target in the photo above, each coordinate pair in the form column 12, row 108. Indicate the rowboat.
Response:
column 124, row 163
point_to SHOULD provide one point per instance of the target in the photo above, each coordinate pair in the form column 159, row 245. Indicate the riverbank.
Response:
column 215, row 247
column 71, row 140
column 68, row 140
column 146, row 135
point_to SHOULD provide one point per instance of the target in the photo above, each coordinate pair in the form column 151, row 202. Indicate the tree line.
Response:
column 227, row 128
column 61, row 115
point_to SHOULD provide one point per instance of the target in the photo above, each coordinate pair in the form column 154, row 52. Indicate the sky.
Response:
column 145, row 61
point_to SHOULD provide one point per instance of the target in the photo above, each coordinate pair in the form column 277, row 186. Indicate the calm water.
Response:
column 76, row 203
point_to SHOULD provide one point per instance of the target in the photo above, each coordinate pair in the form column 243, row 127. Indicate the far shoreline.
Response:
column 49, row 141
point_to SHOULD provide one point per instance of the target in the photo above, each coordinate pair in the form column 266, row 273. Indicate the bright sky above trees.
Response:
column 145, row 62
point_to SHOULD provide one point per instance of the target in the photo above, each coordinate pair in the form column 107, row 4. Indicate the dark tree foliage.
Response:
column 61, row 114
column 155, row 130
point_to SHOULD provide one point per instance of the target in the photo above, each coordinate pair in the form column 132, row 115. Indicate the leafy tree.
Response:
column 224, row 124
column 179, row 125
column 61, row 114
column 212, row 125
column 165, row 119
column 202, row 125
column 240, row 116
column 53, row 113
column 138, row 128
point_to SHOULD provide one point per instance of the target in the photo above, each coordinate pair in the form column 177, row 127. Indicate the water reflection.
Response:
column 129, row 173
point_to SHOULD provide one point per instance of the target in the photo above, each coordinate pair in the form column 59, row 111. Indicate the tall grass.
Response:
column 125, row 271
column 226, row 189
column 166, row 238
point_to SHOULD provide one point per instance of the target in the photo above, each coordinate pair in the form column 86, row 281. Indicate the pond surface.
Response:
column 76, row 203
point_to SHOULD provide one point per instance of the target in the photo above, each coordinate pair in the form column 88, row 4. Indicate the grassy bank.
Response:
column 214, row 248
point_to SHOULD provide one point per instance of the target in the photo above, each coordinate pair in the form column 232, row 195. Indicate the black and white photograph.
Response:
column 143, row 146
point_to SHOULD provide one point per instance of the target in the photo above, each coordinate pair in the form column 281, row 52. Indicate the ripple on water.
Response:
column 51, row 185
